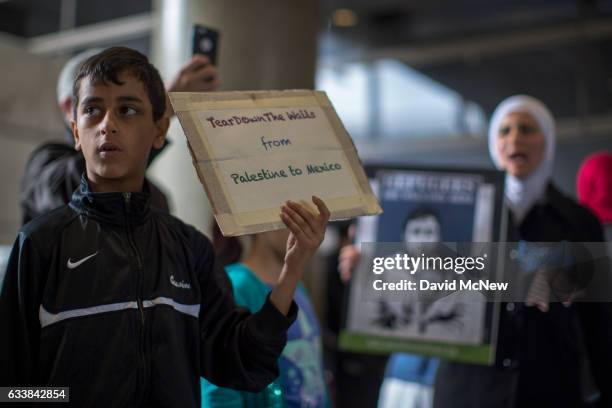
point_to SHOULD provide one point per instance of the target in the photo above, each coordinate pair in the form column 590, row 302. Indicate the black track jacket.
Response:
column 126, row 305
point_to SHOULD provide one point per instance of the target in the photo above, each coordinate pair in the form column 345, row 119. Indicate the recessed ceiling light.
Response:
column 344, row 18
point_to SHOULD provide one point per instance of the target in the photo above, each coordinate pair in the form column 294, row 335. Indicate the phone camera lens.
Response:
column 206, row 44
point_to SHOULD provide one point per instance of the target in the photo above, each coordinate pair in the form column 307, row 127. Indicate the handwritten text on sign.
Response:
column 265, row 117
column 288, row 150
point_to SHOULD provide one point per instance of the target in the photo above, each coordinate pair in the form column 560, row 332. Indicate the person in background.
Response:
column 302, row 379
column 408, row 378
column 594, row 187
column 54, row 169
column 348, row 370
column 538, row 348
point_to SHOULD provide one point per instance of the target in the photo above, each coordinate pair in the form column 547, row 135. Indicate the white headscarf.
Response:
column 523, row 194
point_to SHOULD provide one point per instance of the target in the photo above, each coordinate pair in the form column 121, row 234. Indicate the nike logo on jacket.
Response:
column 72, row 265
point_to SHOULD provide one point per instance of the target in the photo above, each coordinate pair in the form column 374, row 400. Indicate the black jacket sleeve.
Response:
column 238, row 349
column 19, row 323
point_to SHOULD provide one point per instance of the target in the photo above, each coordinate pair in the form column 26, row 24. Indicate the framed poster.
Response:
column 255, row 150
column 432, row 240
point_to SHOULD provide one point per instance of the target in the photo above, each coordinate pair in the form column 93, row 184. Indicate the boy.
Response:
column 118, row 301
column 54, row 169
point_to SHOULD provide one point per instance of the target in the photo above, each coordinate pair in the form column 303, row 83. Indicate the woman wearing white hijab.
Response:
column 537, row 356
column 522, row 142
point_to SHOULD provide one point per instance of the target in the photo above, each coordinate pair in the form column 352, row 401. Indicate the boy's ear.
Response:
column 162, row 128
column 75, row 134
column 66, row 108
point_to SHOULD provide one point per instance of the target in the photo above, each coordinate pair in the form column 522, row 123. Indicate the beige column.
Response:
column 29, row 116
column 264, row 44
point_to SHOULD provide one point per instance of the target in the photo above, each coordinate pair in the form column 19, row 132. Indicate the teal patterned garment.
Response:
column 301, row 382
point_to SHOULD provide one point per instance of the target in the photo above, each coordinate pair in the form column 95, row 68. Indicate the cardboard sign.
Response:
column 255, row 150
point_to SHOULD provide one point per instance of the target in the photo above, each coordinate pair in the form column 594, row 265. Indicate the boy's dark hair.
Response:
column 106, row 67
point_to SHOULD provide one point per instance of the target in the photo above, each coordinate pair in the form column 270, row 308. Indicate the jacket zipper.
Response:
column 127, row 197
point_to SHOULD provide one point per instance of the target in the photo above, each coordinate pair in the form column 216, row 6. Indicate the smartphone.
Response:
column 205, row 41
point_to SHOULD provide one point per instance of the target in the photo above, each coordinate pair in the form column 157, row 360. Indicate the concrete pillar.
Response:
column 28, row 116
column 264, row 44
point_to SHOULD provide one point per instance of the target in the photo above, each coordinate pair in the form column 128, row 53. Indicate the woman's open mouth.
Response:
column 518, row 158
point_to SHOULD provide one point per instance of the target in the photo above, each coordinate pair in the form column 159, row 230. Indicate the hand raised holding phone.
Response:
column 197, row 75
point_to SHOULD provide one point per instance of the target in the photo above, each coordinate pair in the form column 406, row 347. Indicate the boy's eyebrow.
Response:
column 123, row 98
column 129, row 98
column 91, row 99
